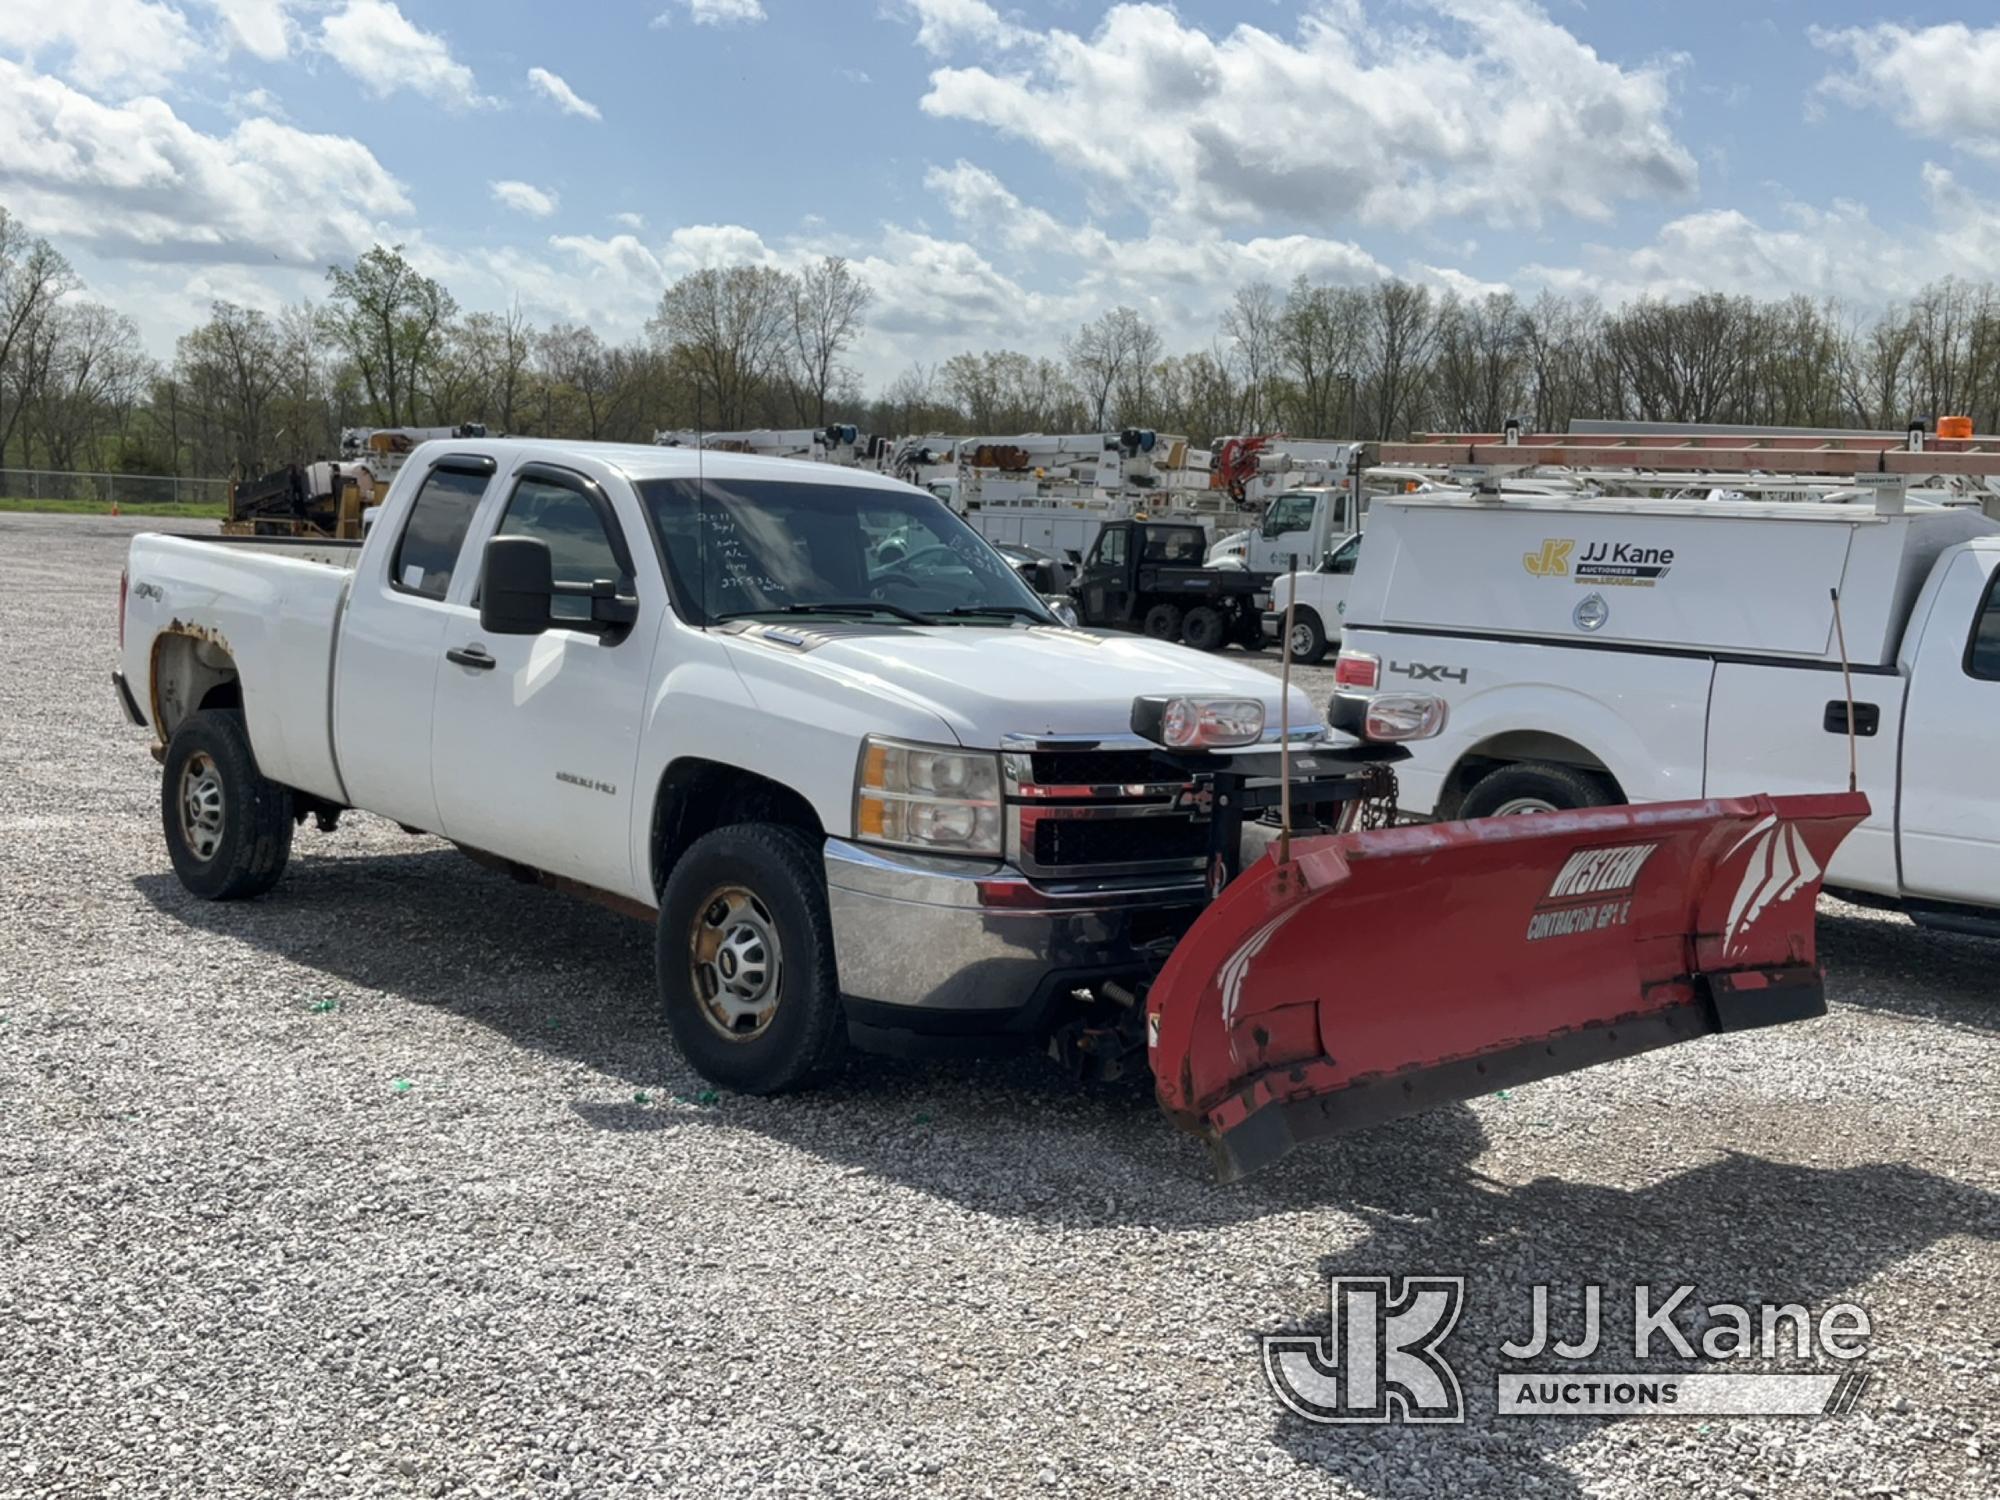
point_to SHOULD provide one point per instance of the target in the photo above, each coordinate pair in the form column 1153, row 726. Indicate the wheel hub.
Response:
column 201, row 805
column 737, row 963
column 1514, row 807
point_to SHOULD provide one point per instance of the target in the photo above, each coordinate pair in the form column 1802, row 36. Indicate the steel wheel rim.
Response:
column 1302, row 639
column 1515, row 807
column 201, row 806
column 736, row 962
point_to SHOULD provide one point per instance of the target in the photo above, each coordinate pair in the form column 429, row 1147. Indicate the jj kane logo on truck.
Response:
column 1626, row 564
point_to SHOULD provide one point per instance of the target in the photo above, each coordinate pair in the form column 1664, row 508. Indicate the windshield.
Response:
column 755, row 547
column 1289, row 513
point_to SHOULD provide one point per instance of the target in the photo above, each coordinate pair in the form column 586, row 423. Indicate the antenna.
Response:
column 1847, row 680
column 700, row 509
column 1285, row 721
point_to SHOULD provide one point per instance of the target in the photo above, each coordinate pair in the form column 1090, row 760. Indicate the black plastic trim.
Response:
column 1687, row 653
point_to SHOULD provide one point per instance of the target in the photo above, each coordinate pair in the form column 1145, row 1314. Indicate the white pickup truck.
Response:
column 807, row 723
column 804, row 711
column 1597, row 651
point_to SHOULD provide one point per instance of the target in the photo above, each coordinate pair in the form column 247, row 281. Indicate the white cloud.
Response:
column 1940, row 82
column 1508, row 120
column 124, row 46
column 257, row 102
column 137, row 180
column 523, row 197
column 562, row 95
column 260, row 27
column 716, row 13
column 943, row 24
column 376, row 42
column 630, row 220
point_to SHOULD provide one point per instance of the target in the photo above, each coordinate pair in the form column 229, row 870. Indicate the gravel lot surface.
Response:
column 388, row 1183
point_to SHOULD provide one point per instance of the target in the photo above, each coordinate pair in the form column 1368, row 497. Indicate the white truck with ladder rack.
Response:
column 1604, row 650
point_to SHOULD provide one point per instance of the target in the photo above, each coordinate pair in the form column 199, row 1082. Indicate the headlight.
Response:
column 1063, row 610
column 923, row 797
column 1198, row 723
column 1394, row 717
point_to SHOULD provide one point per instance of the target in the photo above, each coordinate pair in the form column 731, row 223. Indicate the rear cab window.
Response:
column 427, row 552
column 1982, row 652
column 1184, row 545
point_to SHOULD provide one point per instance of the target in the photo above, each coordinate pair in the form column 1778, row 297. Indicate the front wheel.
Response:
column 1308, row 637
column 744, row 961
column 1532, row 787
column 228, row 828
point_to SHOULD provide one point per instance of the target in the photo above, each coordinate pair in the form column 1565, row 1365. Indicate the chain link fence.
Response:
column 121, row 489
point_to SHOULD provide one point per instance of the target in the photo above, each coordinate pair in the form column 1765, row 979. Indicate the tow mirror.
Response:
column 515, row 586
column 1048, row 577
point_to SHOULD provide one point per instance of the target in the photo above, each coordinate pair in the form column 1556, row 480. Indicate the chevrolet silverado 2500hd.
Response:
column 810, row 725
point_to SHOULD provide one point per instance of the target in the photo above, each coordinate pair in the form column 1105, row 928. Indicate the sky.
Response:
column 1000, row 173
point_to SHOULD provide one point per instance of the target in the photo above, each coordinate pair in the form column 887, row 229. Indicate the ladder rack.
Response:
column 1915, row 456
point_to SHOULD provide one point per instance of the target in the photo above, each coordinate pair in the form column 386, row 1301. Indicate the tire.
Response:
column 1163, row 622
column 739, row 892
column 1535, row 786
column 1308, row 637
column 1204, row 628
column 228, row 828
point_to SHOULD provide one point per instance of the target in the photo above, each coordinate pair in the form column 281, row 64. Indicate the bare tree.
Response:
column 1253, row 324
column 728, row 329
column 1101, row 356
column 33, row 279
column 828, row 301
column 389, row 319
column 1402, row 329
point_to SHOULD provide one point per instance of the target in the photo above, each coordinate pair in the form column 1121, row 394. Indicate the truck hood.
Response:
column 987, row 683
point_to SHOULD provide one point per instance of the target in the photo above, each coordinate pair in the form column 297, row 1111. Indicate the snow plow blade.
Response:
column 1379, row 974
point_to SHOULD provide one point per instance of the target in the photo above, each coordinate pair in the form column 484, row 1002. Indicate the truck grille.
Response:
column 1081, row 813
column 1065, row 843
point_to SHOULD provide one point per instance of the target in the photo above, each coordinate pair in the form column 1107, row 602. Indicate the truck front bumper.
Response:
column 1274, row 623
column 952, row 947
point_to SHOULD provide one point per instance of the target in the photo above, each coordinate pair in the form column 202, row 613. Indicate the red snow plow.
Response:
column 1482, row 955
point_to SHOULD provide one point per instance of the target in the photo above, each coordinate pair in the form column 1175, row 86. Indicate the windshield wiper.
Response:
column 1011, row 611
column 857, row 607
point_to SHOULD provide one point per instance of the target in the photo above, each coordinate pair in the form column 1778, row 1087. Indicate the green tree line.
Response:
column 748, row 346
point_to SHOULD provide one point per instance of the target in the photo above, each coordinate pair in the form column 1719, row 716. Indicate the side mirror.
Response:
column 1048, row 576
column 516, row 584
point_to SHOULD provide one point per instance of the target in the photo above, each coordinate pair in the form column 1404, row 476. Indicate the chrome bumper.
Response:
column 946, row 935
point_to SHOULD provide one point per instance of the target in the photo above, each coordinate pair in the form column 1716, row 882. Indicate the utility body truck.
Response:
column 894, row 804
column 1599, row 650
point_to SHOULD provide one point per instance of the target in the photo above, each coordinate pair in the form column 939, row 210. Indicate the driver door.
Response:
column 535, row 739
column 1106, row 585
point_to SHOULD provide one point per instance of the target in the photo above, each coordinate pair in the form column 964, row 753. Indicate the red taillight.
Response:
column 124, row 581
column 1357, row 669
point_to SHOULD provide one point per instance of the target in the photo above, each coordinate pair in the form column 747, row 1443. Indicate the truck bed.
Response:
column 269, row 606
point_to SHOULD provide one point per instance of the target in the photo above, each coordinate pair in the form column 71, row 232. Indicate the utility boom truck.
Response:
column 894, row 804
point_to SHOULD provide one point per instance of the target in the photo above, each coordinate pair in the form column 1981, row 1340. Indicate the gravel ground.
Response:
column 388, row 1183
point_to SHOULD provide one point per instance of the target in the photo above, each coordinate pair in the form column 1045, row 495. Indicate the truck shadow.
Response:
column 1740, row 1229
column 1884, row 962
column 1014, row 1137
column 560, row 977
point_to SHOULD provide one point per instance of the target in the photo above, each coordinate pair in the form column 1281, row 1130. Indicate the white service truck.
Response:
column 1596, row 651
column 1316, row 600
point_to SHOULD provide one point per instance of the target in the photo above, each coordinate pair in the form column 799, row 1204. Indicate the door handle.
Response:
column 471, row 656
column 1867, row 718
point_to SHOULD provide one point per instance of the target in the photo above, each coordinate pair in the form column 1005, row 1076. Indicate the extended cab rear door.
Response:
column 391, row 642
column 1950, row 802
column 535, row 739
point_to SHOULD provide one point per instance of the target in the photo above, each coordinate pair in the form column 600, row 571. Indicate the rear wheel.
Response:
column 228, row 828
column 1204, row 628
column 1532, row 787
column 1163, row 622
column 744, row 960
column 1308, row 637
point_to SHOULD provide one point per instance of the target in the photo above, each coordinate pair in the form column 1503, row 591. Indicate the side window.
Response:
column 1343, row 559
column 427, row 552
column 1982, row 654
column 580, row 551
column 1111, row 548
